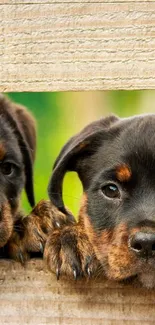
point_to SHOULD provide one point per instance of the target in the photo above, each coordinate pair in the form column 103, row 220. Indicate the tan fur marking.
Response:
column 2, row 151
column 6, row 224
column 123, row 173
column 83, row 144
column 110, row 246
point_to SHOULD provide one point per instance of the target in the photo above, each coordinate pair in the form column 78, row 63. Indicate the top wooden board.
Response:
column 93, row 45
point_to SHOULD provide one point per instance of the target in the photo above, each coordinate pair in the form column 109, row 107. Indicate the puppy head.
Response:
column 115, row 161
column 17, row 153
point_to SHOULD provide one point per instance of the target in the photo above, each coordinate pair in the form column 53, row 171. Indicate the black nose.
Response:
column 143, row 244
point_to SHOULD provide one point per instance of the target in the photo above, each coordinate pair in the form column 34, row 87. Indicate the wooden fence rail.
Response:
column 76, row 45
column 55, row 45
column 32, row 295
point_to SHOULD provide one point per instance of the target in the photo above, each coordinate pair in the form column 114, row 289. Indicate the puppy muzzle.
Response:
column 6, row 223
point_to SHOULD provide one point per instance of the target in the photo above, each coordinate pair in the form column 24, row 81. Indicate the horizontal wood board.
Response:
column 32, row 295
column 73, row 45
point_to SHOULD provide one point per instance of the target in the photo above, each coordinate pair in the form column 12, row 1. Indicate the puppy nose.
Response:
column 143, row 244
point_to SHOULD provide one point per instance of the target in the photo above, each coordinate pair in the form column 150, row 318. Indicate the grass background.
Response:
column 61, row 115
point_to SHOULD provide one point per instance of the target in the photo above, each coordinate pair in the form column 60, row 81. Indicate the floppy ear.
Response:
column 81, row 145
column 27, row 140
column 23, row 125
column 28, row 128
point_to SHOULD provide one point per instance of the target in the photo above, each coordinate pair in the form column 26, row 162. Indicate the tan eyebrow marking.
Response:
column 83, row 144
column 2, row 151
column 123, row 173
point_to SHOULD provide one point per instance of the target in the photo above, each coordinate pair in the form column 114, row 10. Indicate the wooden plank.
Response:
column 68, row 1
column 74, row 46
column 31, row 295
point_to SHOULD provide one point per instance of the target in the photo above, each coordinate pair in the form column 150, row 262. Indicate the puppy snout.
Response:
column 143, row 244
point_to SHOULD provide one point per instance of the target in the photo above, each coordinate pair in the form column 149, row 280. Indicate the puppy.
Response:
column 115, row 233
column 17, row 154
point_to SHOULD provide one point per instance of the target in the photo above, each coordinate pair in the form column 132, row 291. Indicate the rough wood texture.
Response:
column 67, row 1
column 55, row 45
column 33, row 296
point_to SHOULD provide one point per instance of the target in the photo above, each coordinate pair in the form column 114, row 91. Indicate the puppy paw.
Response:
column 31, row 232
column 69, row 252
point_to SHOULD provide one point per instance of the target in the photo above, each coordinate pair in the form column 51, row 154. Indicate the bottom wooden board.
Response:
column 32, row 295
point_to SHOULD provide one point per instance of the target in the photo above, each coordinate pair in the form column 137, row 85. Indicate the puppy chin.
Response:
column 147, row 279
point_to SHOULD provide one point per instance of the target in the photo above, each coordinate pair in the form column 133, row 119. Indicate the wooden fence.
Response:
column 67, row 45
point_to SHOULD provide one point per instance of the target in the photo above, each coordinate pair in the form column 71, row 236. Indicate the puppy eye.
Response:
column 7, row 168
column 111, row 191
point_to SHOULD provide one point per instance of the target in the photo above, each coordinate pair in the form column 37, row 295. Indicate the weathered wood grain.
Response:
column 77, row 46
column 67, row 1
column 32, row 295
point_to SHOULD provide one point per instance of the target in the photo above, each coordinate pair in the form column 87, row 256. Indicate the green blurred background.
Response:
column 60, row 115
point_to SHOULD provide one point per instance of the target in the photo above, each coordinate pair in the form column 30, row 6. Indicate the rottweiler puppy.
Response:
column 115, row 233
column 17, row 154
column 21, row 237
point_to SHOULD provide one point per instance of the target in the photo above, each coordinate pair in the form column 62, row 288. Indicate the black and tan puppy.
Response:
column 115, row 234
column 17, row 153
